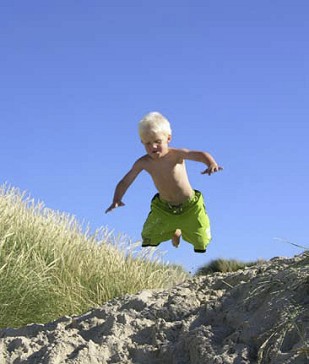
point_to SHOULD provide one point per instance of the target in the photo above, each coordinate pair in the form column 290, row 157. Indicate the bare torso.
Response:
column 169, row 176
column 168, row 171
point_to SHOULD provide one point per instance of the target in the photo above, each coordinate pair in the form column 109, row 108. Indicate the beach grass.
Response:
column 225, row 266
column 51, row 266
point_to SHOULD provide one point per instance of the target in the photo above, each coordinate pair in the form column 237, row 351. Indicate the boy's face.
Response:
column 156, row 144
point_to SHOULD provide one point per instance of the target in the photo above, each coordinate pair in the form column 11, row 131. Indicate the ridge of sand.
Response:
column 256, row 315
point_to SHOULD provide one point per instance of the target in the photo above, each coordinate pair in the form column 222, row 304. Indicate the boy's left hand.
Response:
column 212, row 169
column 114, row 205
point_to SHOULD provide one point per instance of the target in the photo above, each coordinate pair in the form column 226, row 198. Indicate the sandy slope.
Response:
column 256, row 315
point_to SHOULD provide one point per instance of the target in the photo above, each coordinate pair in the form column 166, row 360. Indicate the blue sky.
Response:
column 231, row 76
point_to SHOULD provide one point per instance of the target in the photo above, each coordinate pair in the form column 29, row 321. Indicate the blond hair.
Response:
column 154, row 122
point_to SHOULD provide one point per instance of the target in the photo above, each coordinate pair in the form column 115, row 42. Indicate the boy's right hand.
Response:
column 114, row 205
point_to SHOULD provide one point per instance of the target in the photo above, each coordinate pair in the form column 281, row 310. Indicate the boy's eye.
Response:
column 159, row 141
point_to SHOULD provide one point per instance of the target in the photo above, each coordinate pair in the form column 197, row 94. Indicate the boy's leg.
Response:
column 199, row 236
column 157, row 227
column 196, row 227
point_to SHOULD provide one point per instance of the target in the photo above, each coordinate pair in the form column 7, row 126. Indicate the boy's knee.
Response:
column 199, row 250
column 200, row 247
column 147, row 242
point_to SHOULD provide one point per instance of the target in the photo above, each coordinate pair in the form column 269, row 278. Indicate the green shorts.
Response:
column 190, row 217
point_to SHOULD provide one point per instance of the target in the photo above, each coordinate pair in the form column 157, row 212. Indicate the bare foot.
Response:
column 176, row 238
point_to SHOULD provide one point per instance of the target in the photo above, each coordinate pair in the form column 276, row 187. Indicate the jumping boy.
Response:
column 177, row 209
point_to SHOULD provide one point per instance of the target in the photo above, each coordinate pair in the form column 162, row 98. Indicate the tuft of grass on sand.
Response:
column 224, row 266
column 51, row 267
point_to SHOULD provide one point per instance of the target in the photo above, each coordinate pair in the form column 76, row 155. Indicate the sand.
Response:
column 256, row 315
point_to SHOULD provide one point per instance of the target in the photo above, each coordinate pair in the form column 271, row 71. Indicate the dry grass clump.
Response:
column 224, row 266
column 289, row 297
column 50, row 267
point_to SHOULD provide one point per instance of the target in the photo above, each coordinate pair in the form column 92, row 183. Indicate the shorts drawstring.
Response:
column 176, row 209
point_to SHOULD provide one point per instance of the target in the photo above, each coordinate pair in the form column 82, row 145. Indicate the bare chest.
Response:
column 167, row 173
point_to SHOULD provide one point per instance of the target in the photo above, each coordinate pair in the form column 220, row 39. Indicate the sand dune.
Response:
column 256, row 315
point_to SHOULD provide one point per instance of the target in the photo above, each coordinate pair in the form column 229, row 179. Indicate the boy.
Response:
column 177, row 209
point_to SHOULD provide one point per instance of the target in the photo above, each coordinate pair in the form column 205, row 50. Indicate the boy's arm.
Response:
column 124, row 184
column 202, row 157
